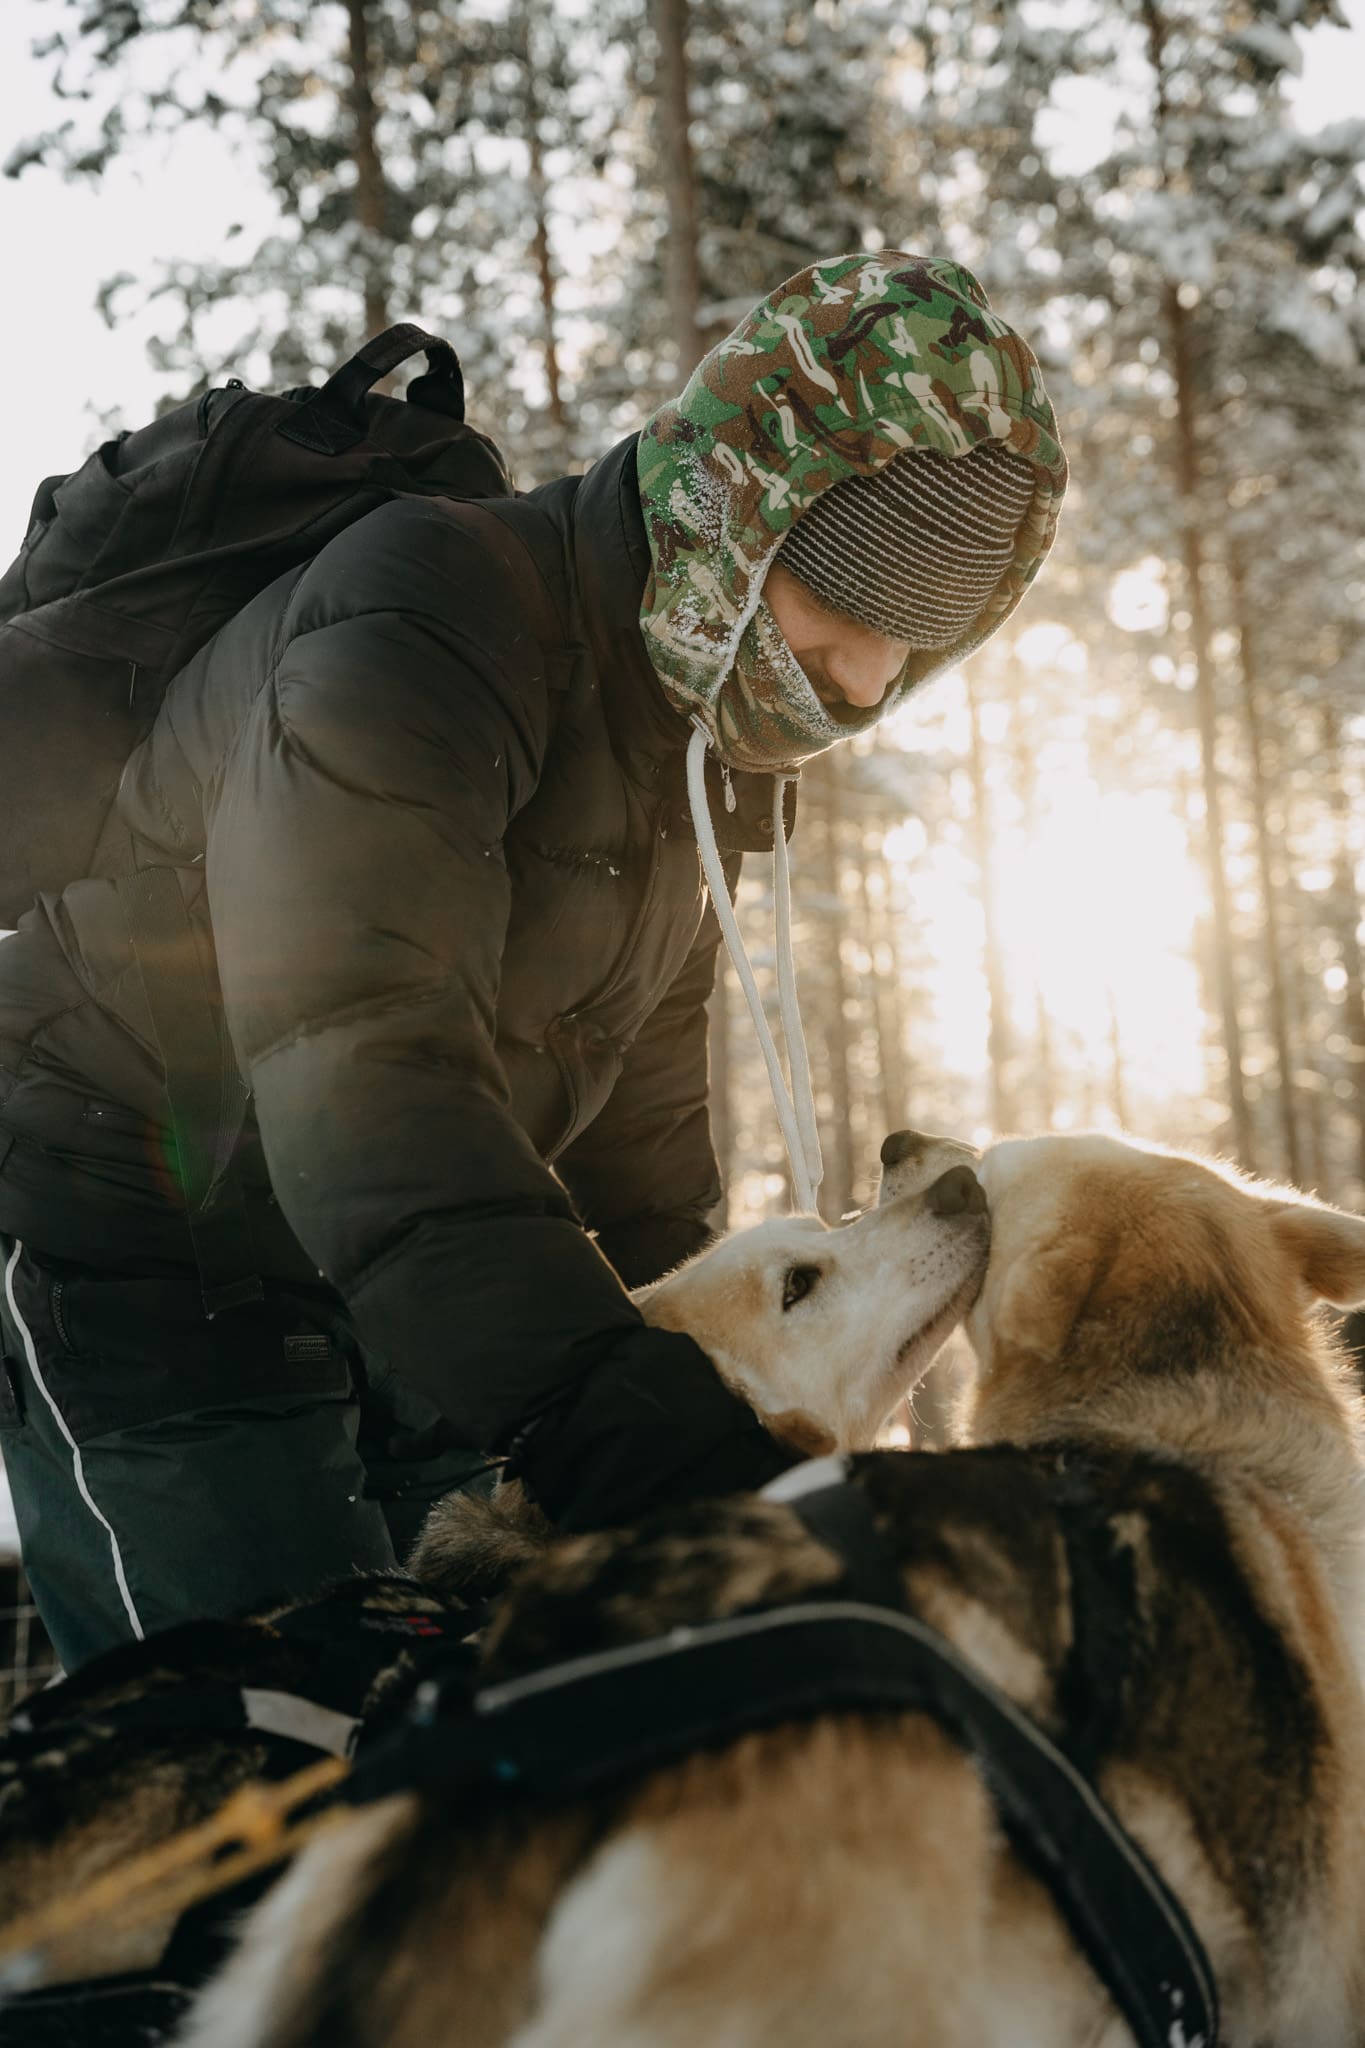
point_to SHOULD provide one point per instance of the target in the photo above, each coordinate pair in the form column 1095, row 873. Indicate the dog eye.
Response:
column 798, row 1284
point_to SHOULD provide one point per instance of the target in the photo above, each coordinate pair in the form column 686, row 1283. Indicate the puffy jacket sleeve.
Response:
column 644, row 1174
column 360, row 897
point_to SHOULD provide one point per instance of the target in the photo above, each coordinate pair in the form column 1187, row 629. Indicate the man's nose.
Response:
column 864, row 672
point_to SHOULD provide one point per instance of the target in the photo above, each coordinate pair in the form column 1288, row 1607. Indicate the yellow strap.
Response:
column 45, row 1945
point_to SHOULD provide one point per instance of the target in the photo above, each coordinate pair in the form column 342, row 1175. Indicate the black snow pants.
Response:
column 164, row 1466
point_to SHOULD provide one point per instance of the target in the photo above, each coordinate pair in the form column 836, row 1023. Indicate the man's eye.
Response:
column 798, row 1284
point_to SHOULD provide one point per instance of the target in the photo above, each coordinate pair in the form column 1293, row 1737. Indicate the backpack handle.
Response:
column 334, row 418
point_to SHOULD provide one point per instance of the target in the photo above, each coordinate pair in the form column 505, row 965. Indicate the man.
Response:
column 427, row 798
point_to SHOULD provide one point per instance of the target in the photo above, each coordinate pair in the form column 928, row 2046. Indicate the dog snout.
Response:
column 903, row 1145
column 956, row 1193
column 913, row 1160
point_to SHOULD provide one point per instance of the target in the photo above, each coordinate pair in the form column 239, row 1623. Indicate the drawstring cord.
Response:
column 795, row 1110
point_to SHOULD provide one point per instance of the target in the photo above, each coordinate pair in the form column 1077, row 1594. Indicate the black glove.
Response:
column 650, row 1424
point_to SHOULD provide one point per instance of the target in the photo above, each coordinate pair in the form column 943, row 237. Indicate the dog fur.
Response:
column 81, row 1791
column 879, row 1297
column 1149, row 1331
column 86, row 1791
column 826, row 1370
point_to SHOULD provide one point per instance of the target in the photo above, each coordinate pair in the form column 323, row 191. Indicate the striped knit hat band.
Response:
column 916, row 550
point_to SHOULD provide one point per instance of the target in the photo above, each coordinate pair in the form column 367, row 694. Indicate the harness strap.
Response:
column 203, row 1707
column 606, row 1718
column 348, row 1652
column 1094, row 1677
column 1132, row 1928
column 838, row 1516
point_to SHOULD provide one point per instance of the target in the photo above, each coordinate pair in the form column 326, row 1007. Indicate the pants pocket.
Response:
column 170, row 1467
column 121, row 1351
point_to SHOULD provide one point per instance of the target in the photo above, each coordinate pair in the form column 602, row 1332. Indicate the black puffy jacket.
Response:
column 429, row 805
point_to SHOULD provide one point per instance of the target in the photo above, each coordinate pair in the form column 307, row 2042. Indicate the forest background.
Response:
column 1110, row 874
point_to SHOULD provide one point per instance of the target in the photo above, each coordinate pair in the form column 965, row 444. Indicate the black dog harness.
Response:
column 346, row 1651
column 595, row 1721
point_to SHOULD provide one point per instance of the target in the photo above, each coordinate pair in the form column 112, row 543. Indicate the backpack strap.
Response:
column 334, row 418
column 207, row 1098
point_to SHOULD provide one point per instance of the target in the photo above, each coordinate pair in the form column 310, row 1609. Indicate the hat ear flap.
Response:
column 1327, row 1246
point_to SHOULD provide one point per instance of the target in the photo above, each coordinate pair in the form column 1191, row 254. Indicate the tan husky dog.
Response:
column 1158, row 1407
column 824, row 1331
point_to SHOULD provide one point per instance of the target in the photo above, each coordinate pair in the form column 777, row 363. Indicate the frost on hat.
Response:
column 846, row 367
column 916, row 550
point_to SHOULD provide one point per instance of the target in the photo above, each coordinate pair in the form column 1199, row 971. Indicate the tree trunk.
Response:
column 1045, row 1078
column 1346, row 920
column 840, row 1164
column 1243, row 1130
column 1180, row 353
column 540, row 235
column 1118, row 1094
column 1312, row 1087
column 371, row 210
column 682, row 267
column 880, row 940
column 1270, row 879
column 898, row 1080
column 1044, row 1072
column 999, row 1044
column 1206, row 703
column 721, row 1102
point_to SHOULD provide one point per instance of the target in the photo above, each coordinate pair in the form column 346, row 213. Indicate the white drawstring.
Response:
column 796, row 1116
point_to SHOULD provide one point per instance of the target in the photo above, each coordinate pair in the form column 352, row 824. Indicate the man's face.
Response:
column 847, row 662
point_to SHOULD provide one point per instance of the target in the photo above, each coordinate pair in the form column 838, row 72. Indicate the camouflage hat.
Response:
column 845, row 366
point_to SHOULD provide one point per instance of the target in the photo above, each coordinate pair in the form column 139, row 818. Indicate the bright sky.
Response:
column 60, row 242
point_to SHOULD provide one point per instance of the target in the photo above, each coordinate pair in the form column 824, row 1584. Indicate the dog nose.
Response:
column 903, row 1145
column 957, row 1193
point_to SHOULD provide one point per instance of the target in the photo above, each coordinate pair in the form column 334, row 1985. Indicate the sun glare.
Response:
column 1097, row 903
column 1097, row 914
column 1137, row 598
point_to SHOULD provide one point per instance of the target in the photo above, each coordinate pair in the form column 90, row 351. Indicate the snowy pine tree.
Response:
column 414, row 154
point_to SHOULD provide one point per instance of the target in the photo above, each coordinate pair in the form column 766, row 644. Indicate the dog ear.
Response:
column 1328, row 1247
column 1043, row 1295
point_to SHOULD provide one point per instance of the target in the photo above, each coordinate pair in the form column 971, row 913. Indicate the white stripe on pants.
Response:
column 76, row 1465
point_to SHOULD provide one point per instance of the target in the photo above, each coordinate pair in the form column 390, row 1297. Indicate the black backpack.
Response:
column 134, row 560
column 131, row 563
